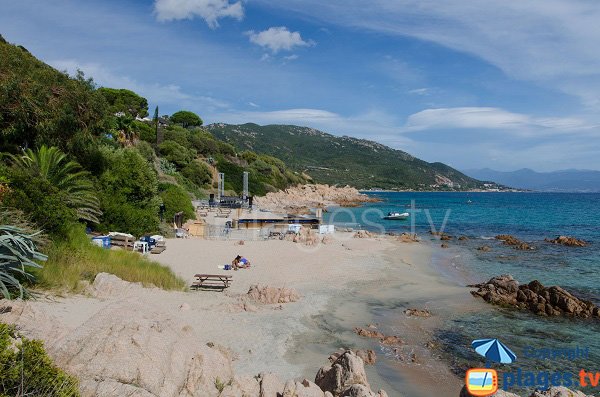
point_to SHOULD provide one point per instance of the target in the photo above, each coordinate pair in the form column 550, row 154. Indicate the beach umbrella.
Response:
column 494, row 350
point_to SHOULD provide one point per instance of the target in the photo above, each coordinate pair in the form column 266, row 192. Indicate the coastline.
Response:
column 347, row 283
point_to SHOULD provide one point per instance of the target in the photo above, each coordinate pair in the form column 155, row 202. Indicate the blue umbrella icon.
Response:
column 494, row 350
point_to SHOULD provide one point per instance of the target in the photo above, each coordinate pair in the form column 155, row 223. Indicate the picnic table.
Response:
column 212, row 281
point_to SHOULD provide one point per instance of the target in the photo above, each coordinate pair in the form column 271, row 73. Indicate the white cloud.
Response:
column 494, row 119
column 164, row 94
column 420, row 91
column 278, row 38
column 550, row 42
column 291, row 57
column 209, row 10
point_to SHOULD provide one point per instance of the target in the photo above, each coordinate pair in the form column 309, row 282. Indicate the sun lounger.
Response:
column 212, row 281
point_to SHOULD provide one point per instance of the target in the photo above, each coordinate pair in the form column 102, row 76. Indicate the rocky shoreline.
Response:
column 301, row 199
column 547, row 301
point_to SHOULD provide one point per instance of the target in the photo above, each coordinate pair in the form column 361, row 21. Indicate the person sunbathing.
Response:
column 240, row 263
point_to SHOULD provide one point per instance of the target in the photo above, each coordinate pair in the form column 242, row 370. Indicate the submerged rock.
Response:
column 549, row 301
column 507, row 239
column 417, row 313
column 383, row 339
column 568, row 241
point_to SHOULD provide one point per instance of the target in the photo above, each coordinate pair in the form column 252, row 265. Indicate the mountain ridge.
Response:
column 570, row 180
column 332, row 159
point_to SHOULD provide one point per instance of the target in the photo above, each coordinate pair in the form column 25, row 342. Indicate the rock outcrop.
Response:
column 363, row 234
column 550, row 301
column 507, row 239
column 346, row 377
column 374, row 334
column 408, row 238
column 568, row 241
column 130, row 348
column 272, row 295
column 417, row 313
column 299, row 199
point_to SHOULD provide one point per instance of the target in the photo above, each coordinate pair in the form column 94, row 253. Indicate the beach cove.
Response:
column 339, row 284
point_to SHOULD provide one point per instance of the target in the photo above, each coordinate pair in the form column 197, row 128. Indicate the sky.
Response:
column 498, row 84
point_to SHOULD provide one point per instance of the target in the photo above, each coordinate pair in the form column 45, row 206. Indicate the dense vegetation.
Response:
column 76, row 156
column 26, row 369
column 343, row 160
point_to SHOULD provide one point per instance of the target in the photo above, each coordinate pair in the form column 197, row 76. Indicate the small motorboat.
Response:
column 396, row 216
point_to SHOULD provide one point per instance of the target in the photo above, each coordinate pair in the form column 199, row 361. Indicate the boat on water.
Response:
column 396, row 216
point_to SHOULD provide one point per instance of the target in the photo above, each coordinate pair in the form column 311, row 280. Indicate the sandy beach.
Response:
column 339, row 283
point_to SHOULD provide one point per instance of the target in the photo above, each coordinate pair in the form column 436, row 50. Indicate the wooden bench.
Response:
column 212, row 281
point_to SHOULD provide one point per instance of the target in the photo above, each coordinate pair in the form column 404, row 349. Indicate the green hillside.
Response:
column 343, row 160
column 125, row 166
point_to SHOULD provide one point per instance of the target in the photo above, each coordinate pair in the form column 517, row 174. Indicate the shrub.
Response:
column 43, row 202
column 52, row 165
column 129, row 188
column 26, row 369
column 197, row 172
column 146, row 151
column 203, row 142
column 176, row 199
column 146, row 132
column 177, row 134
column 175, row 153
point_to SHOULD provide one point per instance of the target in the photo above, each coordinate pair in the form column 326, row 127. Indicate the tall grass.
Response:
column 76, row 259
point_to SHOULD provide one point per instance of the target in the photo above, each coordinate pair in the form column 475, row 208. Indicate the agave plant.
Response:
column 18, row 251
column 67, row 175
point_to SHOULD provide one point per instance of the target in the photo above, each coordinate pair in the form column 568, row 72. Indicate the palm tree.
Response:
column 53, row 165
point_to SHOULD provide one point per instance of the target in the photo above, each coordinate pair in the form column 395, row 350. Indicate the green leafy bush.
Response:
column 125, row 101
column 197, row 172
column 203, row 142
column 144, row 131
column 129, row 189
column 176, row 153
column 177, row 134
column 147, row 151
column 52, row 165
column 26, row 369
column 44, row 203
column 176, row 199
column 42, row 106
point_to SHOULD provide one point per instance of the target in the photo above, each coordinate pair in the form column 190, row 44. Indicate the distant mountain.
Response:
column 343, row 160
column 557, row 181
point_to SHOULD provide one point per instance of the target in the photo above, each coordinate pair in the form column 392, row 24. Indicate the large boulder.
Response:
column 304, row 388
column 552, row 301
column 270, row 295
column 270, row 385
column 344, row 373
column 146, row 350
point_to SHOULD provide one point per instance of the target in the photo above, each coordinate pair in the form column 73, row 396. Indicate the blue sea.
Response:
column 530, row 217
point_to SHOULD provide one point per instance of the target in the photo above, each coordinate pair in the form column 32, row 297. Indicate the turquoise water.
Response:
column 531, row 217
